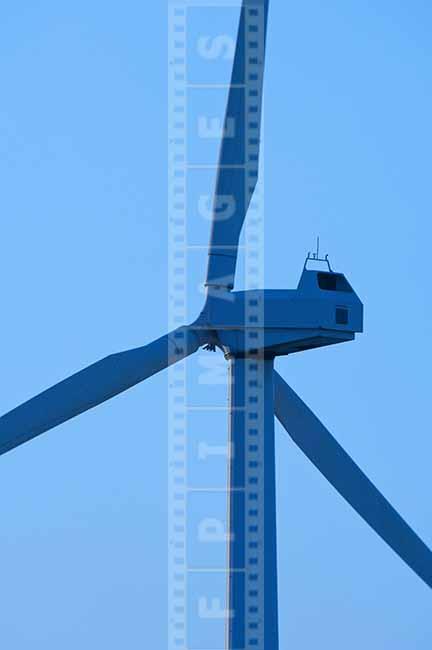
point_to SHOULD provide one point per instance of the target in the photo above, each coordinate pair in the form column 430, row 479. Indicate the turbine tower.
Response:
column 252, row 328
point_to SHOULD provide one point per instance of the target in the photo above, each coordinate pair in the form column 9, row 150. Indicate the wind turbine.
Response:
column 251, row 328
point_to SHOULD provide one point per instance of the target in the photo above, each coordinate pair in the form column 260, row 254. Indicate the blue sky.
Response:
column 83, row 137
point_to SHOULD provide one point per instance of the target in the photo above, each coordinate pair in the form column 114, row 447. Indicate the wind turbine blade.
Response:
column 92, row 386
column 239, row 154
column 348, row 479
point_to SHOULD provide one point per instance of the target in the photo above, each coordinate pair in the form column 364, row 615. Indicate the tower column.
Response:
column 252, row 578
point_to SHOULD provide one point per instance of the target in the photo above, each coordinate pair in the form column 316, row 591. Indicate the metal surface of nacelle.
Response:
column 323, row 310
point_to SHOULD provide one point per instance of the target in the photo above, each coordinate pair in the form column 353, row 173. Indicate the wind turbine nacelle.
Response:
column 323, row 310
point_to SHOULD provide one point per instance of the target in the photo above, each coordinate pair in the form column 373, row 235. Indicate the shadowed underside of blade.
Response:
column 339, row 469
column 239, row 154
